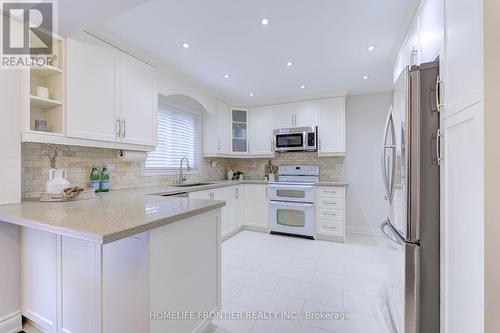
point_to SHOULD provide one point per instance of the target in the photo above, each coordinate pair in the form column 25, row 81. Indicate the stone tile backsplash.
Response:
column 78, row 162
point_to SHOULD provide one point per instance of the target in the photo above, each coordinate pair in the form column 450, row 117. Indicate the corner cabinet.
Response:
column 331, row 129
column 111, row 96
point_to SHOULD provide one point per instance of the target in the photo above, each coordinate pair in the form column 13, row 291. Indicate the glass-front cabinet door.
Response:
column 239, row 128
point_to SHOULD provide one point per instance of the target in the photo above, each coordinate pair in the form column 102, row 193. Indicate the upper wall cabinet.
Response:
column 92, row 89
column 331, row 129
column 261, row 131
column 111, row 96
column 285, row 115
column 463, row 57
column 239, row 131
column 139, row 102
column 431, row 30
column 425, row 38
column 296, row 114
column 216, row 131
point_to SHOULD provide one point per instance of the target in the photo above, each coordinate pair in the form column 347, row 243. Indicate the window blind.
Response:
column 179, row 135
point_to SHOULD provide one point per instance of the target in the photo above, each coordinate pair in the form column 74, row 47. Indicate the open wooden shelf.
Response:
column 45, row 71
column 42, row 103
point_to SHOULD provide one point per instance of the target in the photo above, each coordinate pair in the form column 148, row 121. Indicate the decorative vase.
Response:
column 57, row 181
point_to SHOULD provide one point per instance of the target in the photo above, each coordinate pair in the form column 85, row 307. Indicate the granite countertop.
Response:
column 120, row 213
column 108, row 217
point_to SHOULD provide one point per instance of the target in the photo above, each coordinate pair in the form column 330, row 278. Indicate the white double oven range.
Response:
column 291, row 201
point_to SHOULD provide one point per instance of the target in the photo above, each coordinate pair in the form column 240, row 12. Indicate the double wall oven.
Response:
column 291, row 201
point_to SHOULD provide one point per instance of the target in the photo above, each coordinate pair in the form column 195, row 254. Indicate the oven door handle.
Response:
column 299, row 187
column 291, row 204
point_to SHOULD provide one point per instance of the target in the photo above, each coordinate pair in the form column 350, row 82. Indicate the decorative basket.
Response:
column 87, row 193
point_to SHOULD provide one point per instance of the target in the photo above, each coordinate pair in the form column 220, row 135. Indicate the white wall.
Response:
column 491, row 27
column 365, row 120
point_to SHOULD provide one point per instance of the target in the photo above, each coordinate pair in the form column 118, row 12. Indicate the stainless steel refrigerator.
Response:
column 410, row 168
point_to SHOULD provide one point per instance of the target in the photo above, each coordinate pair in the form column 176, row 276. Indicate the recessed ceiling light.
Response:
column 366, row 77
column 289, row 64
column 186, row 45
column 302, row 86
column 227, row 76
column 250, row 94
column 371, row 48
column 264, row 21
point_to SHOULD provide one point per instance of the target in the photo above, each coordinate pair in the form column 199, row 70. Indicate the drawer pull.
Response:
column 330, row 214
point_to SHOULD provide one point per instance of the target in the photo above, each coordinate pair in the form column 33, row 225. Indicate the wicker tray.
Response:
column 88, row 193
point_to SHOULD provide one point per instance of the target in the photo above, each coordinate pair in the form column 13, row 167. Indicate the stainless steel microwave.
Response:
column 296, row 139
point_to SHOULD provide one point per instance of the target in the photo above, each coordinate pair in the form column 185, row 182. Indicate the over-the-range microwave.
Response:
column 296, row 139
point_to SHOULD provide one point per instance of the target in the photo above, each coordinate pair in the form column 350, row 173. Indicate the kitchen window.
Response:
column 179, row 135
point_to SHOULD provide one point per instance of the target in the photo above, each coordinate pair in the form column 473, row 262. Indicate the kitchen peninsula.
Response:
column 107, row 264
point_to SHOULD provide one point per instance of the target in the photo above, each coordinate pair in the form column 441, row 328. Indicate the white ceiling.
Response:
column 76, row 15
column 326, row 40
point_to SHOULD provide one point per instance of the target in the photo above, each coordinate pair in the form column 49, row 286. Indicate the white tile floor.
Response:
column 263, row 272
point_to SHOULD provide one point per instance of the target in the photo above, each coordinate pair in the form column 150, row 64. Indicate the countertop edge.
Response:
column 161, row 222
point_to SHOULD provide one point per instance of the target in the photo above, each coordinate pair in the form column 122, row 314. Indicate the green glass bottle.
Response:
column 104, row 187
column 95, row 179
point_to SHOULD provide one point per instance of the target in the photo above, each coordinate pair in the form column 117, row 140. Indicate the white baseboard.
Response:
column 255, row 228
column 11, row 323
column 364, row 230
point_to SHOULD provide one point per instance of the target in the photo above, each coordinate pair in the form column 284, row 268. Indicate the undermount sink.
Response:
column 192, row 184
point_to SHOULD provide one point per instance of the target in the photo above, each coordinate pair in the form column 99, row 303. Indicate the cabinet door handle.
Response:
column 319, row 144
column 118, row 128
column 124, row 129
column 218, row 145
column 237, row 193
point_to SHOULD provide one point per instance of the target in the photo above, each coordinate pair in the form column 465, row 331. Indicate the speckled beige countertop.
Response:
column 118, row 214
column 108, row 217
column 168, row 190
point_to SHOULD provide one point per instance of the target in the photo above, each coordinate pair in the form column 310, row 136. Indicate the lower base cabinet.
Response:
column 330, row 213
column 232, row 217
column 256, row 206
column 127, row 286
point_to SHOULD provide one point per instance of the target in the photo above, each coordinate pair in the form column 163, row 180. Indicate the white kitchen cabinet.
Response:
column 74, row 285
column 231, row 217
column 331, row 129
column 285, row 115
column 411, row 49
column 92, row 88
column 462, row 230
column 39, row 278
column 256, row 206
column 216, row 131
column 296, row 114
column 306, row 113
column 139, row 101
column 463, row 56
column 431, row 29
column 330, row 213
column 239, row 131
column 111, row 96
column 261, row 131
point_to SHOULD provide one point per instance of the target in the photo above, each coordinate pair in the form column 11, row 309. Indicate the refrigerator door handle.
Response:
column 398, row 239
column 389, row 183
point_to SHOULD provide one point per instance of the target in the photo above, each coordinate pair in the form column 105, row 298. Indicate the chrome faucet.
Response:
column 182, row 177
